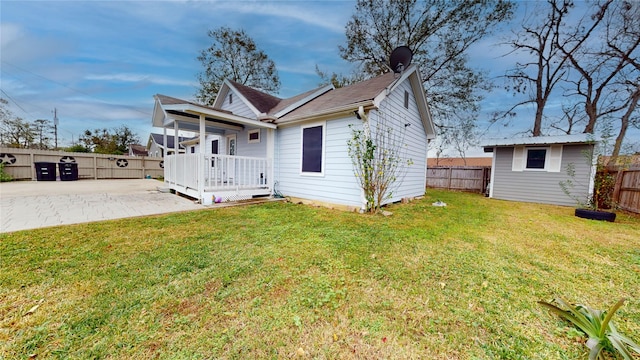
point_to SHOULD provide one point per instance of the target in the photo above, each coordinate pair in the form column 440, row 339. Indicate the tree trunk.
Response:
column 624, row 124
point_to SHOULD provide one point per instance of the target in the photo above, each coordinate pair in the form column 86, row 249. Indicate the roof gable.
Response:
column 258, row 101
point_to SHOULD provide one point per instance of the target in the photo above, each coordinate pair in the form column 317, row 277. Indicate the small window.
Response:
column 254, row 136
column 406, row 99
column 312, row 144
column 193, row 149
column 230, row 98
column 536, row 158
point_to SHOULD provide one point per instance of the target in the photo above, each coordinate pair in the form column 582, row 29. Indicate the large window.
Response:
column 312, row 144
column 536, row 158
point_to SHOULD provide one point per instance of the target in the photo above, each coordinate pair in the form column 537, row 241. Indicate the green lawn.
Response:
column 282, row 280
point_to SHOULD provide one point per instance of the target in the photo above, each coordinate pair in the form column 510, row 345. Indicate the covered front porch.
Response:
column 223, row 177
column 222, row 165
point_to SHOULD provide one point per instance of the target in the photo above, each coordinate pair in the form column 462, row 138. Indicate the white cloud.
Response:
column 132, row 77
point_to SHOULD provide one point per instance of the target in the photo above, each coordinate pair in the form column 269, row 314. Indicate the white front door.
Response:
column 231, row 150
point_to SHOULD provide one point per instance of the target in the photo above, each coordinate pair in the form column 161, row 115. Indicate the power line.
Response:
column 14, row 101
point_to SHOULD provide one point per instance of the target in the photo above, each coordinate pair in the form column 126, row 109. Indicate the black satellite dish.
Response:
column 400, row 58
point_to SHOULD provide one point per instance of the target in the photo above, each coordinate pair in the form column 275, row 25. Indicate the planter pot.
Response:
column 596, row 215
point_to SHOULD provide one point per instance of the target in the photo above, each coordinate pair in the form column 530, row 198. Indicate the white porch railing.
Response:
column 219, row 172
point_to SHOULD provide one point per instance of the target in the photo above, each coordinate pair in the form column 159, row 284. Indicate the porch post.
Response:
column 201, row 161
column 176, row 130
column 164, row 154
column 270, row 158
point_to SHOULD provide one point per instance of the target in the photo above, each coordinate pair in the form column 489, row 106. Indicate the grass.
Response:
column 284, row 280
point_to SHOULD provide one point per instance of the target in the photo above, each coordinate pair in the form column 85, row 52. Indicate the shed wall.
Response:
column 542, row 186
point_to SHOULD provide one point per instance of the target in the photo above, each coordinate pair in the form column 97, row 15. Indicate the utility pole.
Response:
column 55, row 126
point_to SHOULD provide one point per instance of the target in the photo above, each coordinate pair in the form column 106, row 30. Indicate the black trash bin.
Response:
column 45, row 171
column 68, row 171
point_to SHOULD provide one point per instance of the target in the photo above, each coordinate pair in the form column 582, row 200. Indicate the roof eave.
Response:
column 304, row 100
column 329, row 113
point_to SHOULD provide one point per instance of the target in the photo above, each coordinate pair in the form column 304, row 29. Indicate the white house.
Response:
column 296, row 147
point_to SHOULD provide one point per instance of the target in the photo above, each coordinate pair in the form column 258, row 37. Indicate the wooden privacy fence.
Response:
column 626, row 192
column 474, row 179
column 20, row 164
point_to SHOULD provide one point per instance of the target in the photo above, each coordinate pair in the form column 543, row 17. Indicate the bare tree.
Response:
column 539, row 37
column 596, row 70
column 234, row 56
column 42, row 129
column 440, row 34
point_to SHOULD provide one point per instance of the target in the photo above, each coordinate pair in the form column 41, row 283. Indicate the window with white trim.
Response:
column 254, row 136
column 538, row 158
column 313, row 149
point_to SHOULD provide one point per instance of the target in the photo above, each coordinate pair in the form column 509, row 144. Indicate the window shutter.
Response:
column 555, row 158
column 518, row 158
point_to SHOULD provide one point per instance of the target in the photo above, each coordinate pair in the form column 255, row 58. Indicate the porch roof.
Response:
column 168, row 110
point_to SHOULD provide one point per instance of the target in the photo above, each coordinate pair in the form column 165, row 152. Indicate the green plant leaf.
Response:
column 596, row 347
column 612, row 310
column 620, row 346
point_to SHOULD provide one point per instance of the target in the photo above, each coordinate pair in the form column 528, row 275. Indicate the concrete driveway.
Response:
column 35, row 204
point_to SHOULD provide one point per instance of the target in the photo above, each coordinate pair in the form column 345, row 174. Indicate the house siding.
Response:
column 541, row 186
column 244, row 148
column 337, row 185
column 411, row 178
column 238, row 107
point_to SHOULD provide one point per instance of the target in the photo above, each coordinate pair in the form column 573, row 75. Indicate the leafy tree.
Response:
column 440, row 33
column 14, row 131
column 77, row 148
column 104, row 141
column 234, row 56
column 125, row 137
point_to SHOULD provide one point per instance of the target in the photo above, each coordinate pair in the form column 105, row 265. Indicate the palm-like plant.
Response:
column 597, row 326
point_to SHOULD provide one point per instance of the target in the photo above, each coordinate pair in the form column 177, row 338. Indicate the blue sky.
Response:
column 99, row 63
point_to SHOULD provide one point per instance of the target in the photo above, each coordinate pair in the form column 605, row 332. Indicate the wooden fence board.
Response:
column 90, row 166
column 628, row 193
column 474, row 179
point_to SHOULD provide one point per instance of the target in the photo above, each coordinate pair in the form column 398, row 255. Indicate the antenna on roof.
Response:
column 400, row 59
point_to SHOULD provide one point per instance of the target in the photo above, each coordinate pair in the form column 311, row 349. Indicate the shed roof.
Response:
column 540, row 140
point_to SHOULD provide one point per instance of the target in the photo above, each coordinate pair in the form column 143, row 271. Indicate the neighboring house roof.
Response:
column 469, row 161
column 138, row 150
column 540, row 140
column 159, row 140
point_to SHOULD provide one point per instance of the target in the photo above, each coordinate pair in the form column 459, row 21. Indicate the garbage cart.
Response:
column 68, row 171
column 45, row 171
